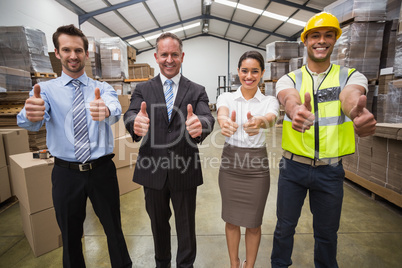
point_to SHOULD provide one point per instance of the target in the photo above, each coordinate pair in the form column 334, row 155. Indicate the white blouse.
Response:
column 259, row 105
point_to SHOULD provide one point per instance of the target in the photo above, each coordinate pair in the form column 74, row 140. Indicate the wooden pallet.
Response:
column 376, row 189
column 8, row 114
column 48, row 75
column 111, row 80
column 10, row 110
column 8, row 203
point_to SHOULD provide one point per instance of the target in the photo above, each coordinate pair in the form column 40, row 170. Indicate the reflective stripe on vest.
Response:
column 333, row 134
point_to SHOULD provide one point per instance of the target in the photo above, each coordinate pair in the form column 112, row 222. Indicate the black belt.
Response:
column 83, row 166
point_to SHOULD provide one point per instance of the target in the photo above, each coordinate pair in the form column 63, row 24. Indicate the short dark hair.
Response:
column 169, row 35
column 69, row 30
column 253, row 55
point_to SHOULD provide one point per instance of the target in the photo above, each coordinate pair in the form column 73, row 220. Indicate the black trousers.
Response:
column 71, row 188
column 157, row 204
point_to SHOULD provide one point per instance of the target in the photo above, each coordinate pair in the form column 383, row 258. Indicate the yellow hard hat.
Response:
column 323, row 19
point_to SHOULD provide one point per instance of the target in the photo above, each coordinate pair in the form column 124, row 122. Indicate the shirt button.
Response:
column 169, row 130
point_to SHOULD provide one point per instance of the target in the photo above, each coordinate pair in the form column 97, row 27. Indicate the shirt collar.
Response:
column 325, row 72
column 67, row 79
column 238, row 95
column 175, row 79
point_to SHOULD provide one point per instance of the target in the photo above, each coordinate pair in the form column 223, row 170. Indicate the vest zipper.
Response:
column 316, row 124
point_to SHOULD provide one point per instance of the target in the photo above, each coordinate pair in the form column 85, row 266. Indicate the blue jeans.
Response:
column 325, row 187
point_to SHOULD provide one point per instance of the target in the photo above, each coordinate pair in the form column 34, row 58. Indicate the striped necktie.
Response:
column 169, row 97
column 81, row 136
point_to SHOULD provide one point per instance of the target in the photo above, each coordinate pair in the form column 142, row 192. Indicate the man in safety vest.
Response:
column 325, row 105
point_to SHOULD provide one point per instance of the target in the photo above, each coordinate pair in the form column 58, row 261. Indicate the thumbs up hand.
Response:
column 363, row 121
column 141, row 122
column 302, row 118
column 35, row 106
column 253, row 125
column 193, row 123
column 98, row 108
column 229, row 127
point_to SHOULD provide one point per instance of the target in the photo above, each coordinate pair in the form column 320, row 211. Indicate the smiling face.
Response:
column 169, row 57
column 250, row 74
column 320, row 43
column 72, row 55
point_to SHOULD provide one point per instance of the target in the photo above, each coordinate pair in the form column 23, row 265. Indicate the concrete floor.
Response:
column 370, row 234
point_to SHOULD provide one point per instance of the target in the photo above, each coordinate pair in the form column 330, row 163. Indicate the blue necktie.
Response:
column 81, row 136
column 169, row 97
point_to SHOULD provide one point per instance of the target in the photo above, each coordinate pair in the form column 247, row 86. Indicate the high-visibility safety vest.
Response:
column 332, row 134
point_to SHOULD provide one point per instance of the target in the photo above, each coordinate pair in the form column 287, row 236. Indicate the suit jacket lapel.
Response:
column 181, row 92
column 157, row 89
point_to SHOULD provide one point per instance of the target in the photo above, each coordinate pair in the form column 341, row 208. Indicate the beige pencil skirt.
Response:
column 244, row 184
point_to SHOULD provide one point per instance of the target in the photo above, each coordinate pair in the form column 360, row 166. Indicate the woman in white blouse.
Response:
column 244, row 178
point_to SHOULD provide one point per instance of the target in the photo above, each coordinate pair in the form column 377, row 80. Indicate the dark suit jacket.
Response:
column 168, row 150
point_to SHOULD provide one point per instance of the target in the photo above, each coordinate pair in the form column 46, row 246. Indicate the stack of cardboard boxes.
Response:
column 360, row 45
column 33, row 187
column 93, row 66
column 15, row 141
column 140, row 71
column 131, row 54
column 376, row 165
column 278, row 57
column 113, row 52
column 12, row 79
column 24, row 48
column 30, row 180
column 358, row 10
column 125, row 150
column 367, row 44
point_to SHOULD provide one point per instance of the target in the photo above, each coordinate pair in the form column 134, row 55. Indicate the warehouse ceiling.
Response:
column 254, row 23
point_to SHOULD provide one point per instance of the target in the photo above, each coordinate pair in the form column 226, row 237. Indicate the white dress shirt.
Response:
column 175, row 85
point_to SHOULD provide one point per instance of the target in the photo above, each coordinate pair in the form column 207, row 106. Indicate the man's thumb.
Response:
column 249, row 116
column 97, row 94
column 233, row 116
column 307, row 101
column 361, row 104
column 144, row 107
column 37, row 91
column 189, row 110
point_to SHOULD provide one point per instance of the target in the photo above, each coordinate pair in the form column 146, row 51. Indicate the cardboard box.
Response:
column 275, row 70
column 5, row 189
column 15, row 141
column 131, row 53
column 124, row 102
column 126, row 151
column 125, row 178
column 139, row 70
column 380, row 153
column 31, row 179
column 41, row 230
column 118, row 128
column 282, row 50
column 379, row 172
column 394, row 180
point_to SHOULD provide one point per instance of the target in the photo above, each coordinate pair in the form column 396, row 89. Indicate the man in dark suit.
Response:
column 172, row 114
